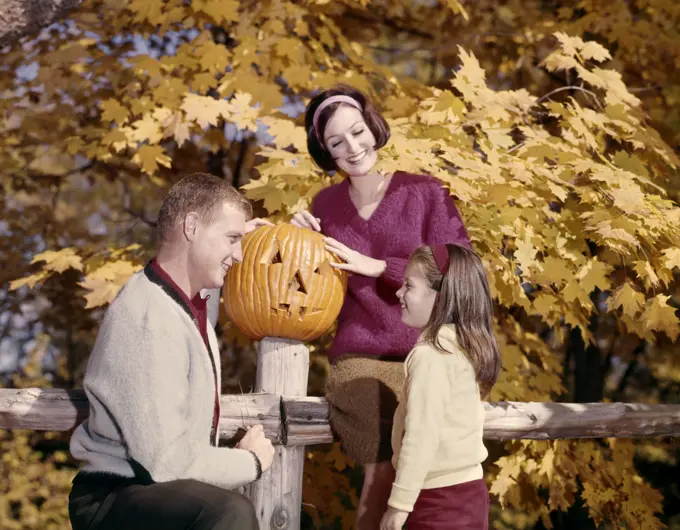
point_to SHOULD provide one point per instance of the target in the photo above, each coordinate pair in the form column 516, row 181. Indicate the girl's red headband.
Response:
column 441, row 257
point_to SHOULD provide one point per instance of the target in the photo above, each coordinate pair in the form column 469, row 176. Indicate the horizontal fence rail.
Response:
column 299, row 421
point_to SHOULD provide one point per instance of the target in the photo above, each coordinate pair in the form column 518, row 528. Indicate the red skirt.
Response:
column 459, row 507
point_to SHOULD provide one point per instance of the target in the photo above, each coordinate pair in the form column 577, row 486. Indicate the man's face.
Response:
column 215, row 246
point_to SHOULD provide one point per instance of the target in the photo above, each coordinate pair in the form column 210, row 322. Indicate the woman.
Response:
column 373, row 222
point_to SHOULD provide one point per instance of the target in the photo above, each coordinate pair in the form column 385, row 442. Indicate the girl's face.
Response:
column 350, row 142
column 417, row 297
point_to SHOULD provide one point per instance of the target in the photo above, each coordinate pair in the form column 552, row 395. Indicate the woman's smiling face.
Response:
column 350, row 142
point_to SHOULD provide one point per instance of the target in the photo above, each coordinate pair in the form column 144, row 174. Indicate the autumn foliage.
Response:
column 568, row 190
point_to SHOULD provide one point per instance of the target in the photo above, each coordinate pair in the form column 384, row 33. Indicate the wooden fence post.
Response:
column 282, row 368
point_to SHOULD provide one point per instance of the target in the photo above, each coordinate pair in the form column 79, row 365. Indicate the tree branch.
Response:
column 392, row 24
column 243, row 150
column 141, row 216
column 562, row 89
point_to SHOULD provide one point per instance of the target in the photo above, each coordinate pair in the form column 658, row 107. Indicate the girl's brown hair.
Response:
column 315, row 144
column 463, row 299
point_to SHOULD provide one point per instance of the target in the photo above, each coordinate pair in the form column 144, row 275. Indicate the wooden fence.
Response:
column 292, row 421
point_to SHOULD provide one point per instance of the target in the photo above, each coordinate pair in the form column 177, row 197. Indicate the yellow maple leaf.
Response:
column 60, row 260
column 545, row 304
column 559, row 61
column 297, row 76
column 241, row 113
column 213, row 57
column 525, row 254
column 569, row 45
column 100, row 292
column 594, row 274
column 146, row 129
column 574, row 292
column 148, row 157
column 117, row 139
column 219, row 10
column 291, row 48
column 175, row 126
column 629, row 197
column 628, row 299
column 112, row 110
column 286, row 133
column 118, row 271
column 444, row 108
column 510, row 467
column 556, row 270
column 645, row 271
column 499, row 137
column 274, row 200
column 147, row 10
column 594, row 51
column 148, row 65
column 31, row 281
column 104, row 283
column 611, row 82
column 170, row 91
column 205, row 111
column 470, row 70
column 301, row 28
column 457, row 7
column 659, row 316
column 202, row 81
column 547, row 466
column 606, row 230
column 671, row 258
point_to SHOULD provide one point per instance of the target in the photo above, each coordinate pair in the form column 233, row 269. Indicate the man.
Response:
column 153, row 382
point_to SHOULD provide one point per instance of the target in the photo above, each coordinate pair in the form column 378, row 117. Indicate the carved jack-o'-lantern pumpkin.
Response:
column 285, row 286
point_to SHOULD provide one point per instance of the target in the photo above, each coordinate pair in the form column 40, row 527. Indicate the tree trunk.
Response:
column 23, row 17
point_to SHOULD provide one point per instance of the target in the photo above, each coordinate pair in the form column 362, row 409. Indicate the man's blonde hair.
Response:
column 201, row 193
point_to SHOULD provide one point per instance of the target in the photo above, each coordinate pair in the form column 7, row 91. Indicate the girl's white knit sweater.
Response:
column 438, row 425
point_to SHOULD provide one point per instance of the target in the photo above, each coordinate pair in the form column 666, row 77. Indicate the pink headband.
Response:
column 333, row 99
column 441, row 257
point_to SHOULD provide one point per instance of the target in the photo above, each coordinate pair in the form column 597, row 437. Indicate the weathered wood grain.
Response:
column 282, row 368
column 297, row 421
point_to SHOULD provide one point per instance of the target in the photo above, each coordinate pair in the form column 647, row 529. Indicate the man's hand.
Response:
column 255, row 441
column 393, row 519
column 256, row 223
column 354, row 261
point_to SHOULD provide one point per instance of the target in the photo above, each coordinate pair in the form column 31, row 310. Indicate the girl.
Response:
column 437, row 436
column 372, row 221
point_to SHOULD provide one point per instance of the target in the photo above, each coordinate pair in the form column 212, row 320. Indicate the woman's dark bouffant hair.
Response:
column 463, row 299
column 376, row 123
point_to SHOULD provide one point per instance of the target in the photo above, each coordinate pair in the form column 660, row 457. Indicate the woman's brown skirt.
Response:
column 363, row 393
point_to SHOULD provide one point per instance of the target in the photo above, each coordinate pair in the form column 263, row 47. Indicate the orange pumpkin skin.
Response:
column 285, row 286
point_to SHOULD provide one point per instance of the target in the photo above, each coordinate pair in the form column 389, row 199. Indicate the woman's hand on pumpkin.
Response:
column 354, row 261
column 257, row 223
column 304, row 219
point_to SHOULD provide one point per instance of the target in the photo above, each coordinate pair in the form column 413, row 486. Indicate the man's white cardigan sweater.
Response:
column 151, row 389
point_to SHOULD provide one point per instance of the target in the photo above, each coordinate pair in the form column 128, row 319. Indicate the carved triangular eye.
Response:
column 324, row 269
column 273, row 255
column 297, row 283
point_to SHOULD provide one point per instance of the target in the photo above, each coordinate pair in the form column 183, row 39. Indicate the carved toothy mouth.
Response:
column 302, row 313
